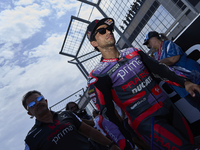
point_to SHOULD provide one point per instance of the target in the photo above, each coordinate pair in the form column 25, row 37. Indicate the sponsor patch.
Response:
column 156, row 90
column 94, row 100
column 90, row 91
column 109, row 21
column 138, row 103
column 88, row 34
column 92, row 95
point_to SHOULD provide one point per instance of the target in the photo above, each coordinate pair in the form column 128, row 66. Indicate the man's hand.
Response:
column 170, row 60
column 95, row 135
column 89, row 122
column 115, row 147
column 191, row 88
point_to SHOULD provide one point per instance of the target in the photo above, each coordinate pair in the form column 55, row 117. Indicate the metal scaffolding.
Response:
column 133, row 20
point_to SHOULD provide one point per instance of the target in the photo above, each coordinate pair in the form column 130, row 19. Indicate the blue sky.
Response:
column 31, row 36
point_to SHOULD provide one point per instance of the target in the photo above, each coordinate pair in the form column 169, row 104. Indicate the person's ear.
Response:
column 94, row 43
column 46, row 102
column 29, row 113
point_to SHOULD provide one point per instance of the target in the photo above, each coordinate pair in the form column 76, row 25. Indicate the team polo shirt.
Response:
column 62, row 134
column 170, row 49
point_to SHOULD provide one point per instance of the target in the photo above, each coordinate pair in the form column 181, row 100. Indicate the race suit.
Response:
column 130, row 81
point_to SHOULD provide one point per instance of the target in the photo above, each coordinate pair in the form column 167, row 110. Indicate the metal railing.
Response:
column 133, row 20
column 75, row 97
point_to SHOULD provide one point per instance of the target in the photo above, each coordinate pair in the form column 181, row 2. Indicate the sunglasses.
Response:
column 103, row 30
column 32, row 104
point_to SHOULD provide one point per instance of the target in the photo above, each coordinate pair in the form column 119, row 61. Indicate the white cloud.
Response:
column 23, row 2
column 50, row 74
column 64, row 6
column 4, row 5
column 7, row 54
column 1, row 60
column 50, row 48
column 26, row 66
column 47, row 68
column 21, row 23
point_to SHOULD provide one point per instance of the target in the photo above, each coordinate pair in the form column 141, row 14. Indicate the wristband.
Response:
column 111, row 144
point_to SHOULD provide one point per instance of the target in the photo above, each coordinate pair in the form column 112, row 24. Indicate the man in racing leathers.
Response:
column 128, row 78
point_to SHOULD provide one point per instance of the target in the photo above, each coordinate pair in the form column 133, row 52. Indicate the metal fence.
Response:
column 133, row 20
column 75, row 97
column 80, row 97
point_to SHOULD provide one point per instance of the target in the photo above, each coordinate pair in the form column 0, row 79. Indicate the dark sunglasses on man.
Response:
column 103, row 30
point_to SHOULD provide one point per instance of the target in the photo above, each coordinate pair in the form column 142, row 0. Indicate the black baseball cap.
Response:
column 150, row 35
column 95, row 24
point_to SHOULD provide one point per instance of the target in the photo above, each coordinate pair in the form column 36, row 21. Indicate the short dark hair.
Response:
column 95, row 113
column 27, row 95
column 67, row 106
column 95, row 48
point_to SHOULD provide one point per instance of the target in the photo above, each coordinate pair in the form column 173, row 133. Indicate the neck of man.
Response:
column 159, row 45
column 110, row 52
column 46, row 117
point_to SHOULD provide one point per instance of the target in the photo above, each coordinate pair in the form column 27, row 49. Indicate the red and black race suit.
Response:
column 130, row 81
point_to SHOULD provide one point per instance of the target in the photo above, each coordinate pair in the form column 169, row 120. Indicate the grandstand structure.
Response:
column 133, row 20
